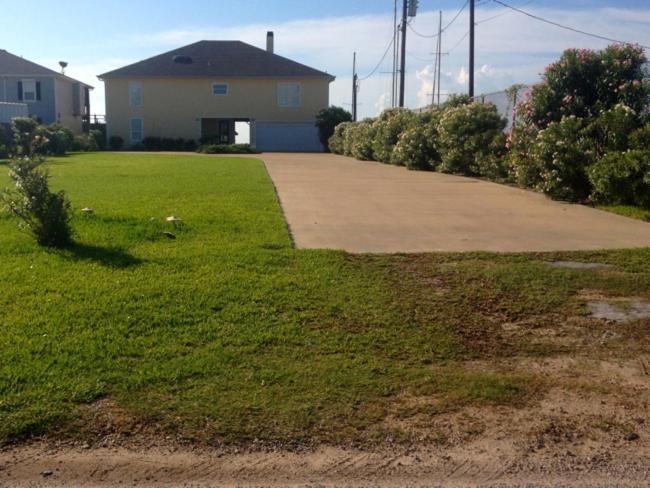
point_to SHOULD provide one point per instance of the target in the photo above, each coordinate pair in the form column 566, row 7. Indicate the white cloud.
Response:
column 509, row 49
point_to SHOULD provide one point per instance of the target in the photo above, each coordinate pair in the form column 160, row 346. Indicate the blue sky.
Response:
column 96, row 36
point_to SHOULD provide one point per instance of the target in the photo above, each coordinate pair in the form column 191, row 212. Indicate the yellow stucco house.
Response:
column 203, row 89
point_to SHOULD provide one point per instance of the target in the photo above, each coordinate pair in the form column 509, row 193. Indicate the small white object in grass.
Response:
column 87, row 210
column 173, row 220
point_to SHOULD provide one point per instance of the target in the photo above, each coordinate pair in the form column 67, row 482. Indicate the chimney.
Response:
column 269, row 42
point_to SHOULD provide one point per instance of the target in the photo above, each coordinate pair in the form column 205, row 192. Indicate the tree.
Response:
column 326, row 121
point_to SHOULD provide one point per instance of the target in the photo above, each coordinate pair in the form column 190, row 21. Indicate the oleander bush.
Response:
column 59, row 139
column 578, row 135
column 471, row 141
column 622, row 178
column 388, row 127
column 337, row 141
column 416, row 147
column 361, row 144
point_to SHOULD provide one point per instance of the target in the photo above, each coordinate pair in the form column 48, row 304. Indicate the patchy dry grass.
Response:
column 227, row 335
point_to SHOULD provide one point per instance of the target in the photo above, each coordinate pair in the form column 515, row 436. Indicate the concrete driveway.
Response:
column 339, row 203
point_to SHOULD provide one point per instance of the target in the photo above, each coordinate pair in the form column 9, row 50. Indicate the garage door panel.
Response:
column 278, row 136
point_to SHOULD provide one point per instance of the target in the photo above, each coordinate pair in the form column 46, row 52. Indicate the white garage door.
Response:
column 287, row 136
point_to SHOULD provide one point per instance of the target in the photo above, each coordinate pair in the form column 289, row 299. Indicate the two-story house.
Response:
column 203, row 89
column 50, row 96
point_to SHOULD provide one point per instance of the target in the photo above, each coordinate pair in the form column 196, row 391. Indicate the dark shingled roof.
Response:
column 217, row 59
column 12, row 65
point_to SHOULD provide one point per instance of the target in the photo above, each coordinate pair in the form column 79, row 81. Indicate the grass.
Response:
column 226, row 334
column 628, row 211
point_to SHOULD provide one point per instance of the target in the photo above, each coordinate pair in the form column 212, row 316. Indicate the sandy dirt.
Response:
column 596, row 436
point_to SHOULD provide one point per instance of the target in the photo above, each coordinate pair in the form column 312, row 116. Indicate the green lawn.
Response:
column 227, row 334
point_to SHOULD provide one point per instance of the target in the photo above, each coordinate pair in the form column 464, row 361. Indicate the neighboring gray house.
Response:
column 50, row 96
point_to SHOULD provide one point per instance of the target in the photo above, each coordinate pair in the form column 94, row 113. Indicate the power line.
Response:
column 444, row 28
column 503, row 13
column 380, row 61
column 566, row 27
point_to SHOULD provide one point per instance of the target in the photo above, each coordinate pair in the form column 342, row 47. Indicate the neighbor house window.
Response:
column 220, row 89
column 135, row 94
column 289, row 95
column 137, row 131
column 28, row 91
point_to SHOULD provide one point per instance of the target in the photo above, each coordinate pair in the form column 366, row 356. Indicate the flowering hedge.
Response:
column 579, row 135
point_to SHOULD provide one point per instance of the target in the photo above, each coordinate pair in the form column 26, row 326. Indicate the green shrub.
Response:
column 585, row 83
column 59, row 139
column 327, row 120
column 97, row 139
column 152, row 143
column 640, row 138
column 337, row 141
column 622, row 178
column 83, row 143
column 562, row 153
column 26, row 139
column 471, row 141
column 362, row 139
column 388, row 127
column 416, row 147
column 611, row 130
column 115, row 143
column 519, row 160
column 227, row 149
column 44, row 214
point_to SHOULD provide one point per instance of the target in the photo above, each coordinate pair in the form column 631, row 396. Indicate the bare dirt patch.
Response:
column 579, row 433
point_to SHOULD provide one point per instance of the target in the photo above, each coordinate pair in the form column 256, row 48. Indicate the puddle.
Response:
column 632, row 310
column 578, row 265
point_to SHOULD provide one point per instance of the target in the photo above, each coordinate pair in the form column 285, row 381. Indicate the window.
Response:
column 29, row 91
column 220, row 89
column 137, row 131
column 135, row 94
column 289, row 95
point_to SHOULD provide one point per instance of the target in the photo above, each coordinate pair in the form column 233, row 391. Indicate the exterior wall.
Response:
column 9, row 111
column 69, row 100
column 43, row 109
column 60, row 100
column 173, row 107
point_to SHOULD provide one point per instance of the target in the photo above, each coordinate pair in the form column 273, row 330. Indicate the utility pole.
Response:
column 393, row 92
column 354, row 87
column 402, row 70
column 439, row 57
column 436, row 64
column 471, row 48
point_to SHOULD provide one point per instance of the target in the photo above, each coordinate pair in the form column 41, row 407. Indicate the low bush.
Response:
column 360, row 143
column 640, row 138
column 115, row 143
column 59, row 139
column 227, row 149
column 168, row 144
column 471, row 141
column 388, row 127
column 622, row 178
column 611, row 130
column 83, row 143
column 46, row 215
column 97, row 139
column 561, row 155
column 416, row 147
column 337, row 141
column 326, row 121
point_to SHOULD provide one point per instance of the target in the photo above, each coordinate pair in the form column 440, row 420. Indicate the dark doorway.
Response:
column 218, row 131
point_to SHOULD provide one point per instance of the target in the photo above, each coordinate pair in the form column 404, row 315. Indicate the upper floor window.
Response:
column 220, row 89
column 29, row 90
column 135, row 94
column 289, row 95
